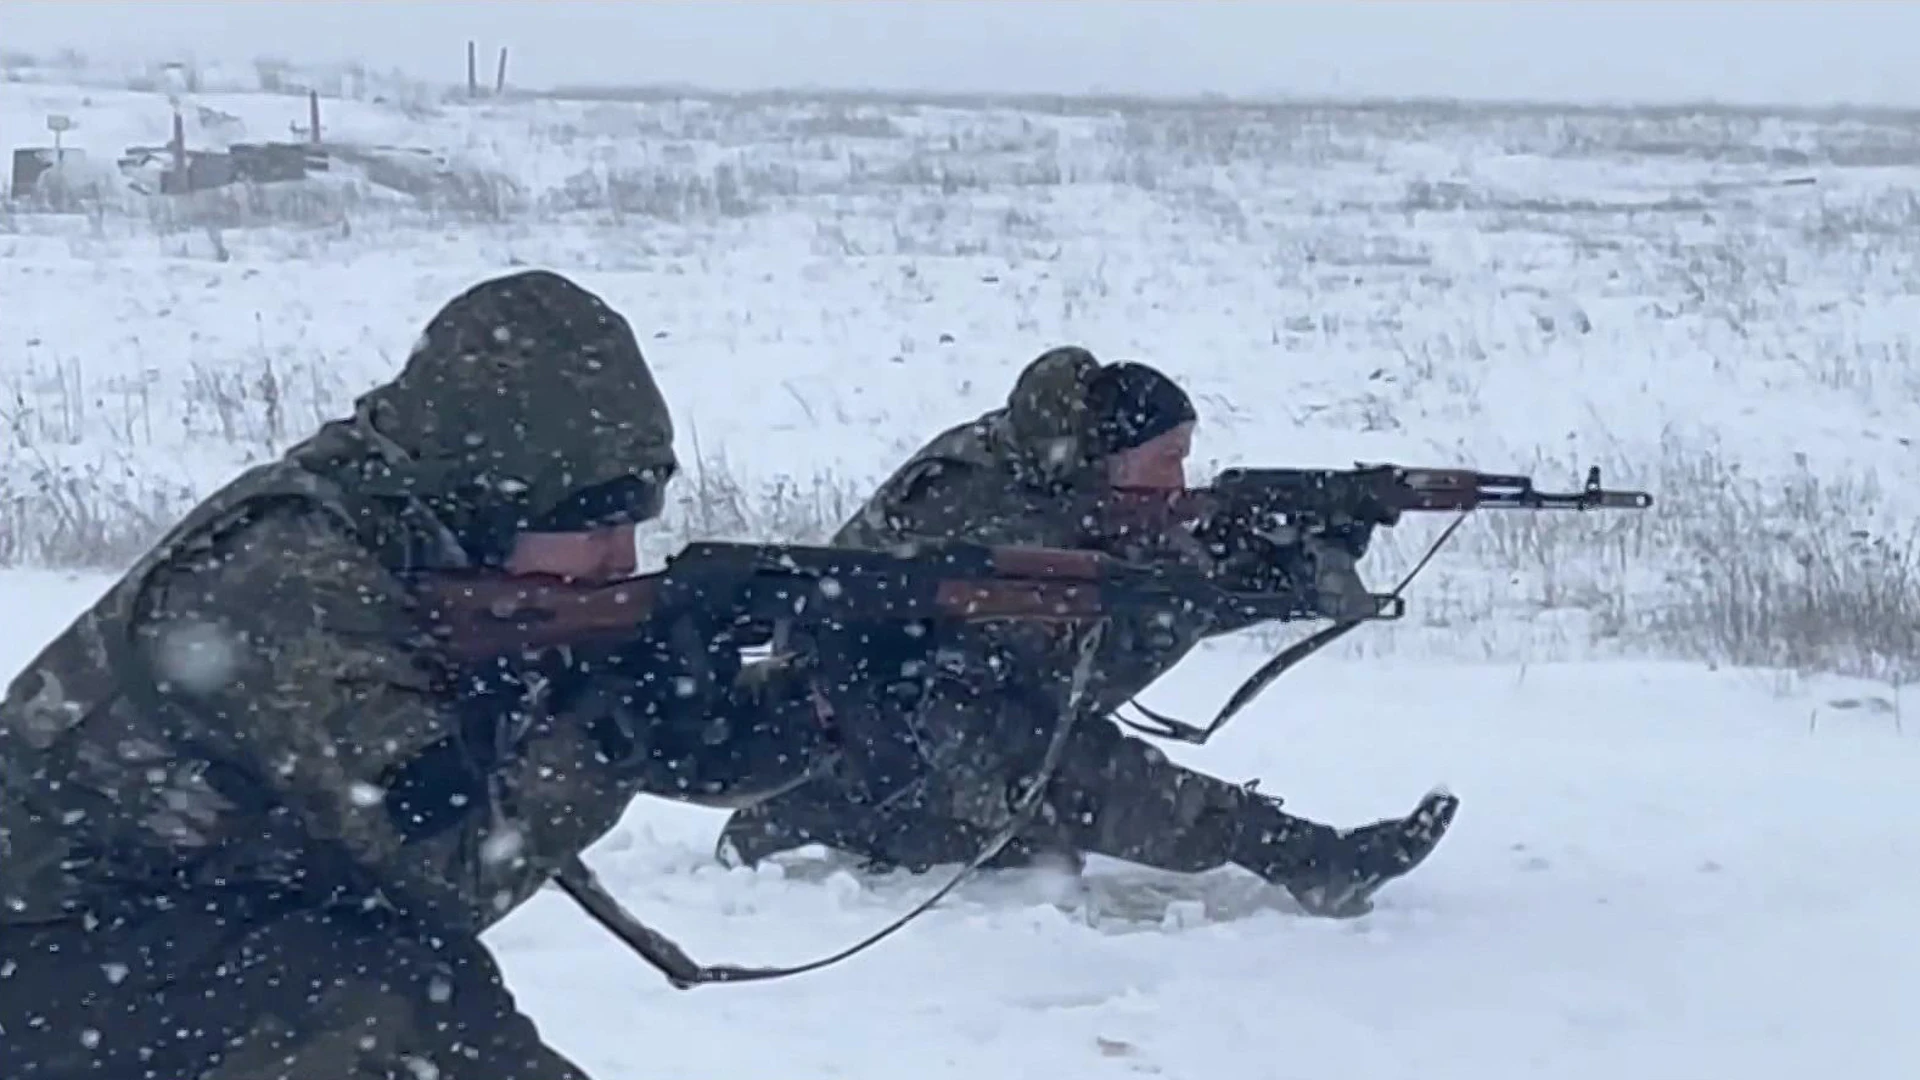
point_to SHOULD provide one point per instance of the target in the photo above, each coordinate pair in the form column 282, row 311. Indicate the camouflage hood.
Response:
column 1046, row 427
column 524, row 394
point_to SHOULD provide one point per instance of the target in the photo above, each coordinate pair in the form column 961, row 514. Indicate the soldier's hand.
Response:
column 1338, row 591
column 1250, row 562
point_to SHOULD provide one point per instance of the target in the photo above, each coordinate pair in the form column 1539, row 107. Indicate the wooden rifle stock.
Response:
column 482, row 615
column 748, row 588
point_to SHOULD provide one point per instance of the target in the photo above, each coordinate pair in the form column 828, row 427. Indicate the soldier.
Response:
column 1043, row 470
column 252, row 823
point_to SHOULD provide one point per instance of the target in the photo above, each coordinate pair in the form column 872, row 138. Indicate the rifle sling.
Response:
column 578, row 882
column 1161, row 726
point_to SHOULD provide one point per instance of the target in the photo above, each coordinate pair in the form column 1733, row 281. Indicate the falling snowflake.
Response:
column 197, row 656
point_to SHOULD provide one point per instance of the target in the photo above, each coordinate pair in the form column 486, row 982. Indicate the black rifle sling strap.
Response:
column 579, row 883
column 1161, row 726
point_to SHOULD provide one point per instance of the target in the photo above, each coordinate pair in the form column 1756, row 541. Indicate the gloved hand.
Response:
column 1247, row 561
column 1351, row 535
column 685, row 720
column 1331, row 568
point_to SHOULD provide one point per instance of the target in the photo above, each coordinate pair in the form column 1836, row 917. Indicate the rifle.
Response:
column 745, row 594
column 1280, row 509
column 746, row 591
column 1379, row 494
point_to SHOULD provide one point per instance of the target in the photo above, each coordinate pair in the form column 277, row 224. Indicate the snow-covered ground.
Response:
column 1657, row 872
column 1663, row 867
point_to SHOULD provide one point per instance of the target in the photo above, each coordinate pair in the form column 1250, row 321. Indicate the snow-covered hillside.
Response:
column 1660, row 870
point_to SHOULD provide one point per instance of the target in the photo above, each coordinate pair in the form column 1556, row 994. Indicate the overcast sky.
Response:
column 1767, row 51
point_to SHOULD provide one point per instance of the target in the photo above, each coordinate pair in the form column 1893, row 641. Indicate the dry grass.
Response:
column 1785, row 573
column 82, row 490
column 96, row 516
column 97, row 466
column 1725, row 569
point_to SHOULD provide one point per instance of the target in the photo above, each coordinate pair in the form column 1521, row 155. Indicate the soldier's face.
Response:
column 590, row 555
column 1160, row 464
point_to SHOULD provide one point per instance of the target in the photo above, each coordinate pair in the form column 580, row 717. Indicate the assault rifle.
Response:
column 742, row 594
column 745, row 590
column 1276, row 511
column 1379, row 494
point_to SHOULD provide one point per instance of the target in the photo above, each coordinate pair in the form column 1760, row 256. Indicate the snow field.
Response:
column 1657, row 872
column 1662, row 868
column 823, row 284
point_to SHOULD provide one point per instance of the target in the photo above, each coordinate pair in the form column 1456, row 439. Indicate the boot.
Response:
column 753, row 835
column 1334, row 873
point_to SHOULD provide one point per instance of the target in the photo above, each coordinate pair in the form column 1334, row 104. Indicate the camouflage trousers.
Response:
column 1113, row 796
column 237, row 987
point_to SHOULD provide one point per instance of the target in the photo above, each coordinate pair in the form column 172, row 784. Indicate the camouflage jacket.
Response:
column 1017, row 475
column 255, row 702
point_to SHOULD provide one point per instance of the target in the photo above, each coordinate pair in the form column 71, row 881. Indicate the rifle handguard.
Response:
column 1378, row 493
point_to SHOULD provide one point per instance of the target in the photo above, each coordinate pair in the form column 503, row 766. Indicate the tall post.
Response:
column 500, row 77
column 182, row 183
column 313, row 116
column 473, row 72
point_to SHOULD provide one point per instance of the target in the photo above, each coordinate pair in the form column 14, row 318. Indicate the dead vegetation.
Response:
column 84, row 487
column 1788, row 573
column 1793, row 570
